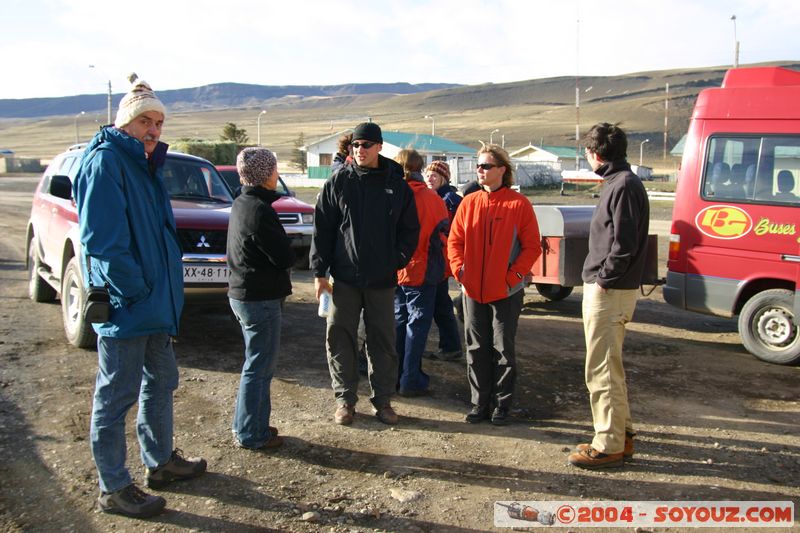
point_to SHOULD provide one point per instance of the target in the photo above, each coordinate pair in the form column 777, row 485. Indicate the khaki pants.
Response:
column 605, row 314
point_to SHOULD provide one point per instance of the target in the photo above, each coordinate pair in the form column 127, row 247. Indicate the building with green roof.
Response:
column 320, row 153
column 562, row 156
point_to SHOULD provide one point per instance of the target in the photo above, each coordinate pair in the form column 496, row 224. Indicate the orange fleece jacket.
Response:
column 493, row 243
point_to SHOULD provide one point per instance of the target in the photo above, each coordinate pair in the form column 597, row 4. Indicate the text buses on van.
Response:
column 735, row 237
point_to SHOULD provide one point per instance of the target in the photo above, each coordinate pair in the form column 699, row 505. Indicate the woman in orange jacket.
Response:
column 493, row 243
column 415, row 295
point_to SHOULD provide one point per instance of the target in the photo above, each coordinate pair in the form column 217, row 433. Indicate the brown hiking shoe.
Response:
column 131, row 501
column 591, row 459
column 177, row 468
column 387, row 415
column 627, row 452
column 344, row 414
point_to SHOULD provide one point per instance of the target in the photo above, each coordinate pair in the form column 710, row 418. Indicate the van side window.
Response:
column 752, row 169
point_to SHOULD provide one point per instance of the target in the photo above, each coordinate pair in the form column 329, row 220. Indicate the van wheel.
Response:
column 767, row 328
column 79, row 333
column 38, row 289
column 553, row 292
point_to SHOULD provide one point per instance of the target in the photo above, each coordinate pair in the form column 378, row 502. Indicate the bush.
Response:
column 219, row 153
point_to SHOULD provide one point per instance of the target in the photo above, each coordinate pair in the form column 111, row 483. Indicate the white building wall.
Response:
column 328, row 146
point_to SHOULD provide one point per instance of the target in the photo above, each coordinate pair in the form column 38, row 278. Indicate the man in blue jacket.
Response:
column 129, row 239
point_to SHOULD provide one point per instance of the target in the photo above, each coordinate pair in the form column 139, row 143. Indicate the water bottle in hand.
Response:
column 324, row 304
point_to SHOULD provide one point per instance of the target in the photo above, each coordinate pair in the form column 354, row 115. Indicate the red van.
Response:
column 735, row 238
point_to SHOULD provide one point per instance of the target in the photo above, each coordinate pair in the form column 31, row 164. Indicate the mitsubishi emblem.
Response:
column 202, row 243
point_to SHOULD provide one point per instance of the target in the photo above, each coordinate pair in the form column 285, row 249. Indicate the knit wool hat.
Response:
column 441, row 168
column 255, row 165
column 368, row 131
column 138, row 100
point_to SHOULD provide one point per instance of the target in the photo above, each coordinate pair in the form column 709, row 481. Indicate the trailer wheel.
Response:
column 767, row 328
column 553, row 292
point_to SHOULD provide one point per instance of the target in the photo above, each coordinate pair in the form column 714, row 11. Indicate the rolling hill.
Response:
column 534, row 111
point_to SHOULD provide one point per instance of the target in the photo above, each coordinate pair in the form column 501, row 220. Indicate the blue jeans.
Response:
column 413, row 315
column 143, row 368
column 445, row 319
column 261, row 328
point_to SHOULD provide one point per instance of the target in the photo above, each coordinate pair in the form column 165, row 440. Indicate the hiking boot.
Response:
column 449, row 356
column 444, row 356
column 627, row 452
column 176, row 469
column 500, row 416
column 591, row 459
column 275, row 441
column 131, row 501
column 344, row 414
column 387, row 415
column 477, row 414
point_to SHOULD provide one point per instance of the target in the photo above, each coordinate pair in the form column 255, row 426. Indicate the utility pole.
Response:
column 666, row 122
column 735, row 44
column 577, row 97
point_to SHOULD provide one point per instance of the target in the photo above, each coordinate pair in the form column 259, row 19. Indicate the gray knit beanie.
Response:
column 255, row 165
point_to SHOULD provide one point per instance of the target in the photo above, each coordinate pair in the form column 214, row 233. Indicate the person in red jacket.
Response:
column 415, row 296
column 493, row 243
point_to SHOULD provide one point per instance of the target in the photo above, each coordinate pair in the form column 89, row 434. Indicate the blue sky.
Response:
column 48, row 45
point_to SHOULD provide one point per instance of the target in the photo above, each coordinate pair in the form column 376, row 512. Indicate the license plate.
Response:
column 205, row 274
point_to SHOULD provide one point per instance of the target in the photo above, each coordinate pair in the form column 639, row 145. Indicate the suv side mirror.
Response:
column 61, row 187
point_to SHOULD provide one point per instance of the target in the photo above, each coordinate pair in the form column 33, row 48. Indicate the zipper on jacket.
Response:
column 486, row 239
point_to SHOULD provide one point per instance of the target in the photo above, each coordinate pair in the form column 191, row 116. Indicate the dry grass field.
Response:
column 534, row 111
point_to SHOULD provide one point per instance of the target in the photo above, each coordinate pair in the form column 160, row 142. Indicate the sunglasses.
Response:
column 366, row 145
column 487, row 166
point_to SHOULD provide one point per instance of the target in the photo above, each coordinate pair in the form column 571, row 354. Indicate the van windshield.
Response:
column 753, row 169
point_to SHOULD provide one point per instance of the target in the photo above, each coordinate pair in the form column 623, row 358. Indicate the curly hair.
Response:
column 344, row 143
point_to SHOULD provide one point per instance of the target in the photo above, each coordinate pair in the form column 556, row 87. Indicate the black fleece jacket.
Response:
column 259, row 254
column 618, row 231
column 365, row 225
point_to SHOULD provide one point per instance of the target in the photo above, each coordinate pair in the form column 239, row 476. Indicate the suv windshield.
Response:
column 231, row 177
column 187, row 179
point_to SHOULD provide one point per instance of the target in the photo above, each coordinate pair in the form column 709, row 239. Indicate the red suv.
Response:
column 296, row 216
column 201, row 203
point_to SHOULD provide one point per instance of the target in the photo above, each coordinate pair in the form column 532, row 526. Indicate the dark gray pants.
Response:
column 342, row 343
column 490, row 330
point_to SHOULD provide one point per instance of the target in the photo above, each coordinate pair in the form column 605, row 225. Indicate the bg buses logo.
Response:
column 724, row 222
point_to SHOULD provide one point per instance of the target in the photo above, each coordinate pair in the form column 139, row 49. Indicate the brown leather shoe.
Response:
column 591, row 458
column 387, row 415
column 344, row 414
column 627, row 452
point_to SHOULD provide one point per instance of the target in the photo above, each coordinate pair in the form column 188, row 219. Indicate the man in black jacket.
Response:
column 612, row 274
column 259, row 257
column 365, row 229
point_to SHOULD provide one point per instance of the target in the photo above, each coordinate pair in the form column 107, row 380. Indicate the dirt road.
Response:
column 713, row 423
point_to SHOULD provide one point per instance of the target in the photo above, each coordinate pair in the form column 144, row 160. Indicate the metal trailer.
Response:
column 564, row 230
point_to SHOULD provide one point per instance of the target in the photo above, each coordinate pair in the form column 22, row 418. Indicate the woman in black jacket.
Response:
column 259, row 257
